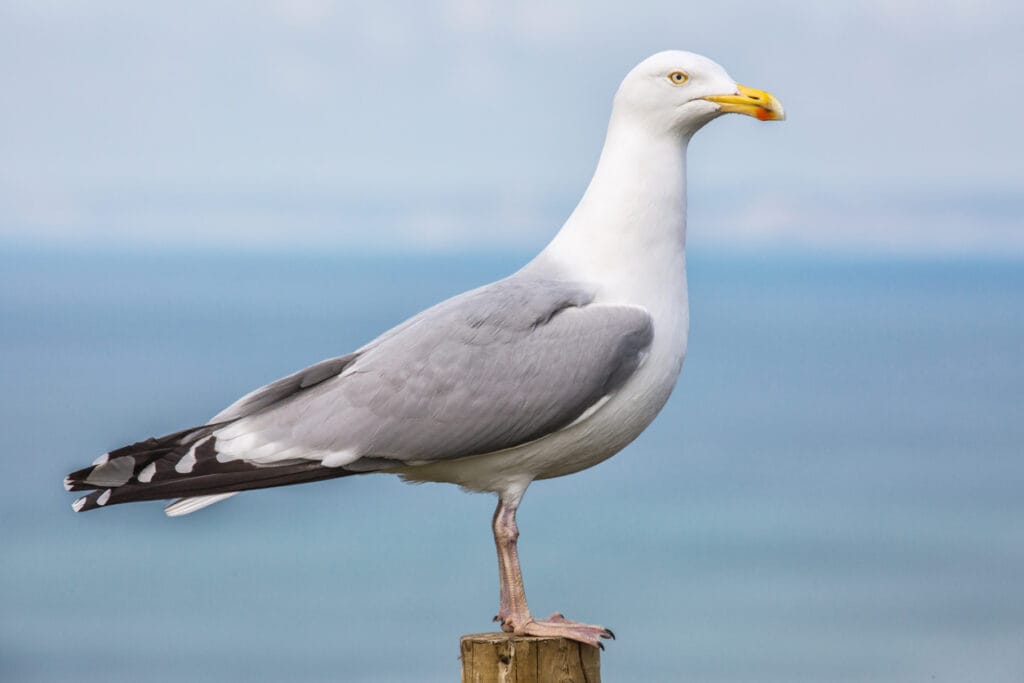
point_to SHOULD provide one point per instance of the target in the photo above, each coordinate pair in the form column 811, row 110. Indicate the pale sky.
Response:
column 470, row 124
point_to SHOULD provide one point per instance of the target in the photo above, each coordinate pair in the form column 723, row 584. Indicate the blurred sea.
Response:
column 835, row 492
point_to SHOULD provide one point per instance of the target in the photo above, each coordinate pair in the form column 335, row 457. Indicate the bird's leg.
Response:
column 505, row 604
column 514, row 613
column 513, row 608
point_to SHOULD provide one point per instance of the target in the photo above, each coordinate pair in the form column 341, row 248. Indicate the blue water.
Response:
column 834, row 493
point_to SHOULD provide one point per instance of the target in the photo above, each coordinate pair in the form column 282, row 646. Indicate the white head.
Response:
column 678, row 92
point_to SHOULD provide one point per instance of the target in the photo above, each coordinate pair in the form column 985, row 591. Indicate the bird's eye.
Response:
column 678, row 77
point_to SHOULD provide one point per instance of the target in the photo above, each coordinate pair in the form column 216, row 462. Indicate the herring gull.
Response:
column 544, row 373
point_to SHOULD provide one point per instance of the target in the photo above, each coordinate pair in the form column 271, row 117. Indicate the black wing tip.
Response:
column 76, row 480
column 123, row 465
column 148, row 470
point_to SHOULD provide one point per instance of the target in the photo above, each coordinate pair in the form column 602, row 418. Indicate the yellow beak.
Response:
column 757, row 103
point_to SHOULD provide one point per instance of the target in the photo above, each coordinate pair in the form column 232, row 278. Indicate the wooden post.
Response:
column 505, row 658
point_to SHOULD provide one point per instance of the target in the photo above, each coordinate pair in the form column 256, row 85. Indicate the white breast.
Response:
column 626, row 242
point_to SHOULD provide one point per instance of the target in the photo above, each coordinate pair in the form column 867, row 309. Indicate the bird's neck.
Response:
column 630, row 225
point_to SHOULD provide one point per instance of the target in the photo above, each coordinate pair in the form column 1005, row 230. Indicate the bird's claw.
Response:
column 558, row 617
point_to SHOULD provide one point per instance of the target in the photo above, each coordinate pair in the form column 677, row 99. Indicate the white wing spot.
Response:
column 147, row 473
column 104, row 497
column 188, row 461
column 78, row 504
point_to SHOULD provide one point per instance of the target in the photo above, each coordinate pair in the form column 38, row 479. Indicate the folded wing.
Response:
column 488, row 370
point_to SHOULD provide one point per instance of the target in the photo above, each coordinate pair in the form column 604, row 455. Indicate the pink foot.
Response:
column 558, row 626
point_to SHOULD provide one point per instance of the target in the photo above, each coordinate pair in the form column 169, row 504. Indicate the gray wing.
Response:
column 490, row 369
column 284, row 388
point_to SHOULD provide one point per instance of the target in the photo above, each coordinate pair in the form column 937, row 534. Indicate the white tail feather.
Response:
column 184, row 506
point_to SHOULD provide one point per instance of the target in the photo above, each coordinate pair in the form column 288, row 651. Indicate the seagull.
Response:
column 547, row 372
